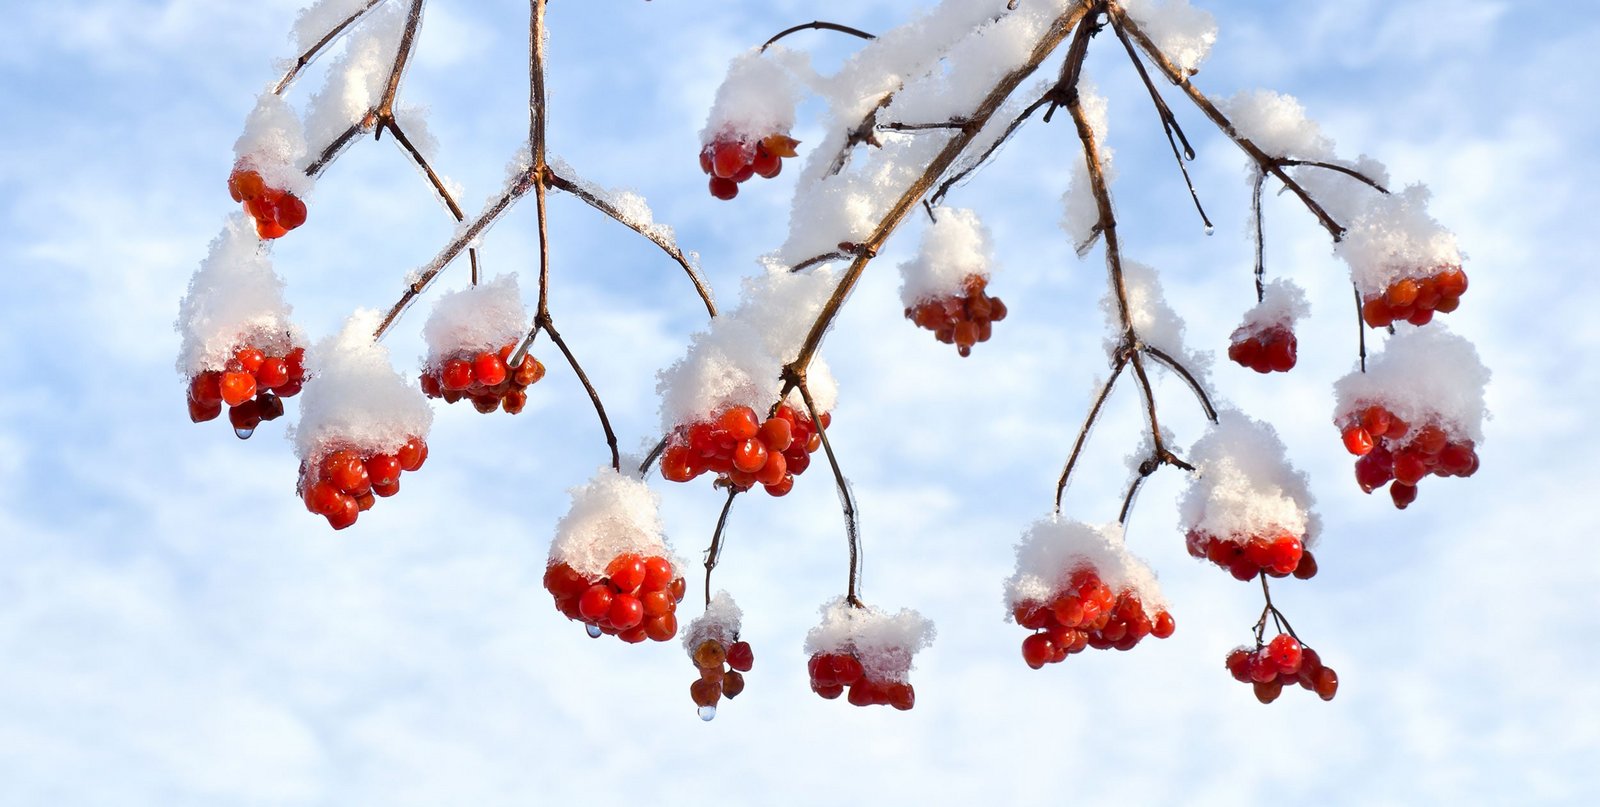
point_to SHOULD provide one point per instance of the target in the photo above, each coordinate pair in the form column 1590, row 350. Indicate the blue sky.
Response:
column 175, row 630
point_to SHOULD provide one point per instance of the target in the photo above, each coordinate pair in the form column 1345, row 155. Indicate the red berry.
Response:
column 728, row 158
column 1357, row 441
column 626, row 612
column 750, row 455
column 237, row 387
column 741, row 657
column 412, row 454
column 383, row 469
column 627, row 572
column 456, row 374
column 740, row 423
column 346, row 515
column 595, row 603
column 489, row 369
column 1037, row 649
column 724, row 189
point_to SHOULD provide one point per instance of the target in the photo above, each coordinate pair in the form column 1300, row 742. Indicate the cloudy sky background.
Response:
column 176, row 630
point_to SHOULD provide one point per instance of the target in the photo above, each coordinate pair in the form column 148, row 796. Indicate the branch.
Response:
column 846, row 501
column 1011, row 128
column 316, row 49
column 1361, row 327
column 1261, row 237
column 1169, row 124
column 1058, row 32
column 1343, row 169
column 562, row 183
column 817, row 25
column 1188, row 377
column 434, row 180
column 1267, row 163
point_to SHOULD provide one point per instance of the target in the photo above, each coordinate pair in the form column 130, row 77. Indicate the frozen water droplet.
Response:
column 1210, row 230
column 593, row 629
column 244, row 434
column 708, row 712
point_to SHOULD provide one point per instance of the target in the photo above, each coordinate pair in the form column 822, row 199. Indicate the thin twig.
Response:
column 1127, row 499
column 1343, row 169
column 847, row 502
column 1361, row 327
column 1011, row 128
column 1088, row 423
column 1188, row 377
column 714, row 552
column 1261, row 237
column 817, row 25
column 559, row 182
column 923, row 127
column 316, row 49
column 1267, row 163
column 434, row 180
column 650, row 459
column 549, row 327
column 1169, row 123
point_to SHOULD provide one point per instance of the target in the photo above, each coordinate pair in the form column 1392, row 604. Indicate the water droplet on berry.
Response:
column 244, row 434
column 1210, row 230
column 707, row 712
column 593, row 629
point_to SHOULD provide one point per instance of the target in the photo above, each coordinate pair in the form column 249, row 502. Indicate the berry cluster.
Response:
column 485, row 378
column 743, row 451
column 1275, row 555
column 1086, row 614
column 341, row 483
column 1264, row 350
column 730, row 160
column 636, row 599
column 251, row 384
column 962, row 320
column 1390, row 449
column 833, row 673
column 276, row 212
column 1280, row 662
column 1415, row 300
column 722, row 669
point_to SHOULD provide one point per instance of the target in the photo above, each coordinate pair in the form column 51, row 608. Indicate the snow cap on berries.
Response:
column 720, row 621
column 611, row 515
column 1394, row 238
column 1181, row 31
column 738, row 359
column 235, row 298
column 1282, row 303
column 758, row 96
column 478, row 318
column 357, row 400
column 273, row 144
column 1053, row 548
column 955, row 247
column 884, row 643
column 1244, row 486
column 1423, row 376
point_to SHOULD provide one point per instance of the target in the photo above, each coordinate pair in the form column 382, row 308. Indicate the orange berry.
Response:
column 740, row 423
column 236, row 388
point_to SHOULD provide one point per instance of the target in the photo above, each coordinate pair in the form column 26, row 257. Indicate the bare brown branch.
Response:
column 310, row 55
column 817, row 25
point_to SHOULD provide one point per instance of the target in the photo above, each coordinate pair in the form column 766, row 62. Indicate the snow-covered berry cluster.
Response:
column 609, row 566
column 730, row 159
column 276, row 211
column 472, row 335
column 484, row 378
column 743, row 450
column 1246, row 509
column 1077, row 586
column 962, row 320
column 361, row 425
column 251, row 385
column 1282, row 662
column 942, row 287
column 1391, row 449
column 1415, row 299
column 1417, row 411
column 342, row 483
column 1265, row 342
column 867, row 652
column 722, row 659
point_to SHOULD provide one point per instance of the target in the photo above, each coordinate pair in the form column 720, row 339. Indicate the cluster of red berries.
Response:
column 730, row 160
column 963, row 319
column 636, row 599
column 1375, row 435
column 1280, row 662
column 251, row 384
column 743, row 451
column 833, row 673
column 1415, row 300
column 276, row 212
column 343, row 482
column 485, row 378
column 722, row 670
column 1264, row 350
column 1086, row 614
column 1275, row 555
